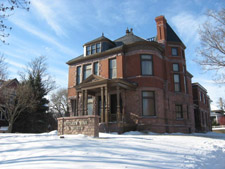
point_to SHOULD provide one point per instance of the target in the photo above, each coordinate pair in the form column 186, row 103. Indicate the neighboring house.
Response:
column 6, row 85
column 201, row 108
column 218, row 117
column 134, row 83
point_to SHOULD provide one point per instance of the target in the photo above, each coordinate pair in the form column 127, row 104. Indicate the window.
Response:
column 179, row 111
column 96, row 68
column 146, row 65
column 94, row 48
column 176, row 67
column 73, row 106
column 98, row 48
column 204, row 98
column 200, row 96
column 183, row 54
column 112, row 68
column 174, row 51
column 188, row 115
column 176, row 79
column 88, row 50
column 78, row 75
column 148, row 103
column 90, row 105
column 185, row 85
column 203, row 118
column 87, row 71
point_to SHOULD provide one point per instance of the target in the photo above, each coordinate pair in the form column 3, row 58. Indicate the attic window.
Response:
column 94, row 48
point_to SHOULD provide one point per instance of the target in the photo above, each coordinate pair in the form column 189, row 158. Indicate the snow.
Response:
column 132, row 150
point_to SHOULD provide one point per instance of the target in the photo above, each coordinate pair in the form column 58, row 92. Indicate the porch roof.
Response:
column 94, row 82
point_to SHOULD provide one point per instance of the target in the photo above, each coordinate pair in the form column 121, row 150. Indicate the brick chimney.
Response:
column 161, row 29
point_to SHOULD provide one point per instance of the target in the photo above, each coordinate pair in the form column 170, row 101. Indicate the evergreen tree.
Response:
column 36, row 120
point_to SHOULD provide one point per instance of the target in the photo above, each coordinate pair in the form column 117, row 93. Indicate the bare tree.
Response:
column 59, row 103
column 14, row 101
column 38, row 67
column 212, row 50
column 3, row 68
column 6, row 9
column 221, row 103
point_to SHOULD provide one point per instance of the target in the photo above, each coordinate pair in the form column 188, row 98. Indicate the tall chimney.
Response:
column 161, row 29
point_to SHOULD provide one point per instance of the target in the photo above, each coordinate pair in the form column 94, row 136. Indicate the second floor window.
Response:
column 146, row 65
column 78, row 75
column 87, row 71
column 176, row 79
column 112, row 68
column 96, row 68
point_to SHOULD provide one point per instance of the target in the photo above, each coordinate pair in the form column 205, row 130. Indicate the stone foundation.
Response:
column 87, row 125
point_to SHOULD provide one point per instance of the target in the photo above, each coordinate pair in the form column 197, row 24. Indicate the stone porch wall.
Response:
column 87, row 125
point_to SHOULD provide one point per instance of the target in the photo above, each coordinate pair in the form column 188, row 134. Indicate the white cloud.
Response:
column 187, row 26
column 16, row 64
column 49, row 14
column 33, row 30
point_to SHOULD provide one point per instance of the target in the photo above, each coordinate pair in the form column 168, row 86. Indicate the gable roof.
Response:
column 92, row 78
column 8, row 82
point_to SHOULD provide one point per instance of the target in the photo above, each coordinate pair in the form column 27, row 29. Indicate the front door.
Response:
column 113, row 107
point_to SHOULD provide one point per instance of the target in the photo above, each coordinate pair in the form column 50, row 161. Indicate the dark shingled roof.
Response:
column 76, row 58
column 101, row 38
column 128, row 39
column 171, row 35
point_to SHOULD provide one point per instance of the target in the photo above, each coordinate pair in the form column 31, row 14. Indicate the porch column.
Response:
column 102, row 104
column 123, row 103
column 106, row 106
column 85, row 102
column 118, row 103
column 82, row 103
column 94, row 105
column 77, row 103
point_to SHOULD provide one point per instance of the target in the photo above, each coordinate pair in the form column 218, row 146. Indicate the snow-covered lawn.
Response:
column 112, row 151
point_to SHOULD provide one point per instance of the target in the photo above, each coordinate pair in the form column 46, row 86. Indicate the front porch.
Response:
column 105, row 98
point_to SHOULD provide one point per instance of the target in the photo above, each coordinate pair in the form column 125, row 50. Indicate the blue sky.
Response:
column 58, row 29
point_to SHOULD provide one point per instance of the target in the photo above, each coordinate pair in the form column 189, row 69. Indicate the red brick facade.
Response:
column 124, row 95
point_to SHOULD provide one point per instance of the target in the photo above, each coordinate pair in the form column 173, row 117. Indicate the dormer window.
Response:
column 94, row 48
column 98, row 48
column 88, row 50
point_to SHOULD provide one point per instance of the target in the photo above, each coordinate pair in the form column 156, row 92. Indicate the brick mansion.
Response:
column 140, row 84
